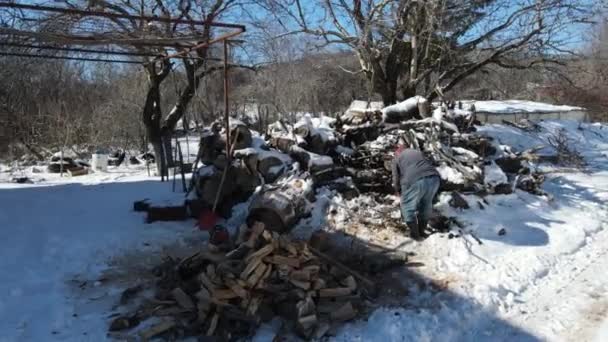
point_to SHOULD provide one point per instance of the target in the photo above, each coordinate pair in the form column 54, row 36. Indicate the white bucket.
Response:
column 99, row 162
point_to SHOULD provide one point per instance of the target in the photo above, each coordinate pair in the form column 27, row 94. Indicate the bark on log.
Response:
column 279, row 208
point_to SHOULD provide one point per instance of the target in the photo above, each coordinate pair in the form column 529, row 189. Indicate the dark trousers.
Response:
column 418, row 198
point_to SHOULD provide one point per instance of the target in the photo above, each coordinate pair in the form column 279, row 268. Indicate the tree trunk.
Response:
column 389, row 96
column 151, row 118
column 408, row 91
column 152, row 113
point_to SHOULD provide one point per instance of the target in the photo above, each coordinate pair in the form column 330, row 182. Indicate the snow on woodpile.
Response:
column 407, row 109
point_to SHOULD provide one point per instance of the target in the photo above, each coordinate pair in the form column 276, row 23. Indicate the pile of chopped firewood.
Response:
column 228, row 294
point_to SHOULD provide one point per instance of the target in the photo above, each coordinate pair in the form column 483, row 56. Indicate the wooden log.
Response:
column 237, row 288
column 264, row 276
column 260, row 253
column 78, row 171
column 254, row 305
column 312, row 270
column 175, row 213
column 257, row 229
column 305, row 307
column 182, row 299
column 155, row 330
column 300, row 275
column 282, row 260
column 289, row 247
column 267, row 236
column 343, row 267
column 124, row 322
column 344, row 313
column 350, row 282
column 307, row 322
column 319, row 284
column 304, row 285
column 213, row 324
column 253, row 280
column 334, row 292
column 322, row 329
column 222, row 294
column 206, row 282
column 203, row 296
column 250, row 268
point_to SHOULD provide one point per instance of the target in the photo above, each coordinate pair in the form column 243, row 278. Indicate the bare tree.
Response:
column 406, row 47
column 159, row 126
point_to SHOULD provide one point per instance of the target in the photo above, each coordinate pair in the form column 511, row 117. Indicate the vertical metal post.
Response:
column 226, row 104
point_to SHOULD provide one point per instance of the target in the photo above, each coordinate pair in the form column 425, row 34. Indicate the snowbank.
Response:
column 518, row 106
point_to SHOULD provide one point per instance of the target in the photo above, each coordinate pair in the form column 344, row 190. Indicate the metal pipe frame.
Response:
column 118, row 15
column 94, row 51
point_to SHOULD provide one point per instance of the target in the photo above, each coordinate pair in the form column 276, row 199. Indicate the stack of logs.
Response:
column 227, row 295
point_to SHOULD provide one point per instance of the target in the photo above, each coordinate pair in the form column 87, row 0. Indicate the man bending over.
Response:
column 417, row 182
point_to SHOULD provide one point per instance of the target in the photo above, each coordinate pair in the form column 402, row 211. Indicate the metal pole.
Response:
column 226, row 104
column 81, row 12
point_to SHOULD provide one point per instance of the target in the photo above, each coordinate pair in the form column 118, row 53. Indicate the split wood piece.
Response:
column 239, row 253
column 156, row 330
column 307, row 322
column 253, row 306
column 286, row 244
column 343, row 267
column 206, row 282
column 171, row 311
column 282, row 260
column 321, row 330
column 250, row 268
column 222, row 294
column 328, row 306
column 267, row 236
column 300, row 275
column 211, row 300
column 265, row 276
column 213, row 324
column 253, row 280
column 313, row 270
column 283, row 271
column 211, row 271
column 182, row 299
column 256, row 230
column 305, row 307
column 161, row 302
column 203, row 312
column 344, row 313
column 304, row 285
column 260, row 253
column 124, row 322
column 334, row 292
column 245, row 303
column 203, row 294
column 350, row 282
column 237, row 288
column 319, row 283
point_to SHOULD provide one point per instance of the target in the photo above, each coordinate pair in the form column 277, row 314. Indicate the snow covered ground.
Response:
column 543, row 279
column 60, row 236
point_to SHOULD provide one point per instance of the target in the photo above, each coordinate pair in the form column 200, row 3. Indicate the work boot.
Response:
column 422, row 225
column 414, row 230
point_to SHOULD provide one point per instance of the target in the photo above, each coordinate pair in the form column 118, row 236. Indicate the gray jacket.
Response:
column 410, row 166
